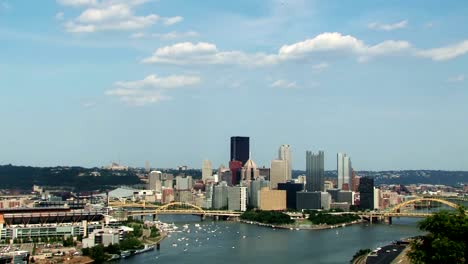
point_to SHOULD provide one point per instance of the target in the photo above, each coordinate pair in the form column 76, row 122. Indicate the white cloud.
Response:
column 137, row 35
column 151, row 89
column 283, row 84
column 388, row 27
column 336, row 42
column 76, row 3
column 172, row 20
column 445, row 53
column 110, row 15
column 59, row 16
column 205, row 53
column 458, row 78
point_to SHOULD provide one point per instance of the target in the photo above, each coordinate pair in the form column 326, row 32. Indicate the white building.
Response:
column 278, row 173
column 345, row 171
column 237, row 198
column 284, row 153
column 207, row 170
column 325, row 200
column 154, row 181
column 376, row 198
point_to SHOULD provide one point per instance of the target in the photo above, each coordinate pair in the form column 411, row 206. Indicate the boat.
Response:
column 145, row 249
column 114, row 257
column 174, row 244
column 125, row 254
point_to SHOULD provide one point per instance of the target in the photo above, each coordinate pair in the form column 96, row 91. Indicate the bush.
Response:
column 267, row 217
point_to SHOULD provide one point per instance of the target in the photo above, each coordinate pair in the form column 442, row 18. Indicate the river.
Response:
column 233, row 242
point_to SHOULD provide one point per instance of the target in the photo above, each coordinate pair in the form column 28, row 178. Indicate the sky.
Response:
column 87, row 82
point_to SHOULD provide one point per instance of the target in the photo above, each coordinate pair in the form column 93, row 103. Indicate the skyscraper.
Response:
column 345, row 171
column 207, row 171
column 240, row 149
column 315, row 171
column 366, row 190
column 284, row 153
column 278, row 173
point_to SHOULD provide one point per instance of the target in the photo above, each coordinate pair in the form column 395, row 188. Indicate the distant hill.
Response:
column 451, row 178
column 80, row 179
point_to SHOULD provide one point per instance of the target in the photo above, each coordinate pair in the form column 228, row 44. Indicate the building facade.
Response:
column 315, row 171
column 278, row 173
column 237, row 198
column 366, row 192
column 291, row 189
column 284, row 153
column 272, row 200
column 240, row 149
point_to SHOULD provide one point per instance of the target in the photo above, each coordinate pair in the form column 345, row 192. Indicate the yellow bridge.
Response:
column 396, row 210
column 142, row 209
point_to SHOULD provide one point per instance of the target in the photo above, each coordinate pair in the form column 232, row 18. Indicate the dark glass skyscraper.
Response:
column 240, row 149
column 315, row 171
column 366, row 190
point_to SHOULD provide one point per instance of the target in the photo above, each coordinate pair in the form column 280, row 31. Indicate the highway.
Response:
column 385, row 255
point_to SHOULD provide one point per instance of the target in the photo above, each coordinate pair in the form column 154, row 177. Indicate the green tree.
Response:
column 447, row 241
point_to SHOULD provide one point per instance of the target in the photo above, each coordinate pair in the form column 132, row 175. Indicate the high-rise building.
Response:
column 154, row 181
column 237, row 198
column 315, row 171
column 366, row 191
column 207, row 171
column 240, row 149
column 236, row 170
column 291, row 189
column 345, row 197
column 264, row 172
column 220, row 196
column 256, row 186
column 278, row 173
column 376, row 198
column 250, row 171
column 308, row 200
column 272, row 200
column 345, row 171
column 284, row 153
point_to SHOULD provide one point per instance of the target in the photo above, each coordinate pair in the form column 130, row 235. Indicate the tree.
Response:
column 447, row 241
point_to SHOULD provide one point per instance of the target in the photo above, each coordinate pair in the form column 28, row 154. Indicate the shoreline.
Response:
column 301, row 227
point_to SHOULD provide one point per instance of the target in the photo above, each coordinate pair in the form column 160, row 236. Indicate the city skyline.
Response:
column 85, row 82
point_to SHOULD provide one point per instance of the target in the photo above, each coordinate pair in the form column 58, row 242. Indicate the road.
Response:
column 385, row 255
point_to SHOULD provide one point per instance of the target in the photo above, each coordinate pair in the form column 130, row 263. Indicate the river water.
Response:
column 233, row 242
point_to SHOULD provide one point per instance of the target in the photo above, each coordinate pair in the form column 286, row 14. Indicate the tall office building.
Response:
column 345, row 171
column 315, row 170
column 235, row 166
column 366, row 190
column 207, row 171
column 256, row 186
column 250, row 171
column 220, row 196
column 240, row 149
column 284, row 153
column 291, row 189
column 278, row 173
column 237, row 198
column 154, row 181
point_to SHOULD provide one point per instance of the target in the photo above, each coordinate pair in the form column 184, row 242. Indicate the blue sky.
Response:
column 87, row 82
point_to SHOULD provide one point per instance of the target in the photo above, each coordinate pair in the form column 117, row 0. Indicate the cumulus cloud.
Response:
column 109, row 15
column 151, row 89
column 172, row 20
column 205, row 53
column 208, row 53
column 388, row 27
column 458, row 78
column 445, row 53
column 283, row 84
column 336, row 42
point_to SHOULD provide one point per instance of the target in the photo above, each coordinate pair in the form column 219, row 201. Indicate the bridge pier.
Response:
column 155, row 217
column 202, row 217
column 158, row 246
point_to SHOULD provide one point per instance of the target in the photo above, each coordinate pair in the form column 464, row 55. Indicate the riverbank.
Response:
column 302, row 225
